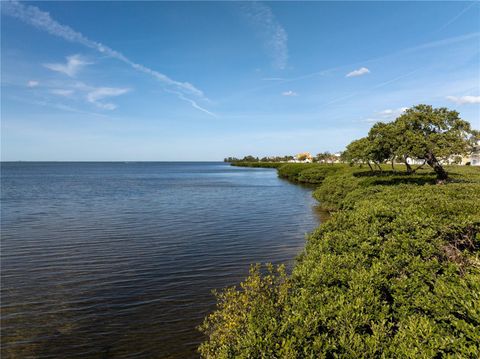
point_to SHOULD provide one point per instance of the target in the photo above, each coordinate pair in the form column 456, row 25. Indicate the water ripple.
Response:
column 118, row 260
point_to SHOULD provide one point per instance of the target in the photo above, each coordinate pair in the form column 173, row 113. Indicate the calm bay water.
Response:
column 118, row 260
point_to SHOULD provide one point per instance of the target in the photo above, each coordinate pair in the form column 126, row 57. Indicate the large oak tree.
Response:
column 421, row 132
column 433, row 134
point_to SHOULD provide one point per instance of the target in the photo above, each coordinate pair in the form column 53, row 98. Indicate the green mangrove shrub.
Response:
column 395, row 273
column 257, row 164
column 312, row 173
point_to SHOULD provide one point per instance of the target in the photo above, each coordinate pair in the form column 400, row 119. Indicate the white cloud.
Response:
column 32, row 83
column 271, row 31
column 389, row 113
column 386, row 115
column 90, row 94
column 97, row 94
column 462, row 100
column 289, row 93
column 42, row 20
column 361, row 71
column 62, row 92
column 74, row 64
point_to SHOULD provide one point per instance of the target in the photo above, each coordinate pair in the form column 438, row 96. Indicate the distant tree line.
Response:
column 251, row 158
column 326, row 157
column 323, row 157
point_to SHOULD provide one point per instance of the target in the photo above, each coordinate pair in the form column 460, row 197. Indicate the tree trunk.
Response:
column 369, row 165
column 432, row 161
column 419, row 167
column 393, row 165
column 409, row 168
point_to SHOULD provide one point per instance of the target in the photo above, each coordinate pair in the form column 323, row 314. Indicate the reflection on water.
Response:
column 118, row 260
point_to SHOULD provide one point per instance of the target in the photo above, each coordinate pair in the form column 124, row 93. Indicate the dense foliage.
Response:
column 308, row 173
column 323, row 157
column 258, row 164
column 395, row 273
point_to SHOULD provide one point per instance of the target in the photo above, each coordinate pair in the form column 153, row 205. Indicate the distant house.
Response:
column 304, row 157
column 474, row 157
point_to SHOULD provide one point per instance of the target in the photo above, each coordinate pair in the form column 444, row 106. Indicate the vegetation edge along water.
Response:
column 394, row 273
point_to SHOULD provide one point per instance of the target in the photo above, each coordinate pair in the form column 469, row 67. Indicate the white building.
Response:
column 415, row 161
column 474, row 157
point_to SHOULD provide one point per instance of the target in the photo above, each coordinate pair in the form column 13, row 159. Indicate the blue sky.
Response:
column 201, row 81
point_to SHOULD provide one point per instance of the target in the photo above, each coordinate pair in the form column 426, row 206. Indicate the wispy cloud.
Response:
column 32, row 83
column 97, row 94
column 270, row 30
column 361, row 71
column 273, row 79
column 73, row 65
column 289, row 93
column 80, row 91
column 42, row 20
column 57, row 106
column 62, row 92
column 462, row 100
column 191, row 102
column 433, row 44
column 456, row 17
column 377, row 86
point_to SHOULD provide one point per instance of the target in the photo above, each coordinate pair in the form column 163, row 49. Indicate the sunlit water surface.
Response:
column 118, row 260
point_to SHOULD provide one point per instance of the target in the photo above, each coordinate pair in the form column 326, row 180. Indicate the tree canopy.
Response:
column 421, row 132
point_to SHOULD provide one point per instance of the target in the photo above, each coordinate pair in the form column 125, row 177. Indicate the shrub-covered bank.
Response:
column 258, row 164
column 395, row 273
column 309, row 173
